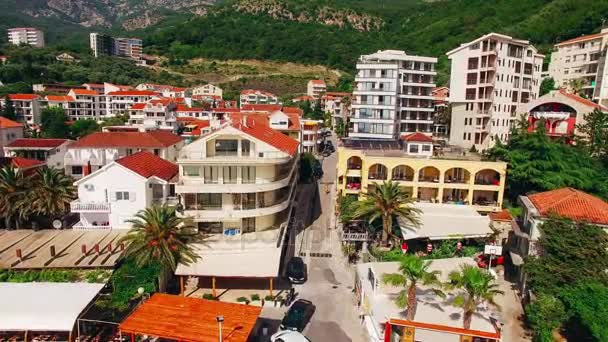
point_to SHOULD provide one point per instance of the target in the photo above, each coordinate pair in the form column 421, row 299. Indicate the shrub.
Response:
column 255, row 297
column 208, row 296
column 242, row 299
column 269, row 298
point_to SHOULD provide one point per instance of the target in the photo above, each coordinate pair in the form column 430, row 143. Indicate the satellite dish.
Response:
column 57, row 224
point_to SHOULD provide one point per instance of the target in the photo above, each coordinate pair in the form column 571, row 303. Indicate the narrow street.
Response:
column 330, row 280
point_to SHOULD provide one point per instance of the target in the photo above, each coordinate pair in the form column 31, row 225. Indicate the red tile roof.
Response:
column 503, row 215
column 148, row 165
column 84, row 92
column 582, row 100
column 320, row 82
column 261, row 107
column 138, row 106
column 7, row 123
column 133, row 93
column 418, row 137
column 293, row 110
column 581, row 39
column 269, row 136
column 55, row 98
column 226, row 110
column 23, row 96
column 571, row 203
column 36, row 143
column 257, row 92
column 184, row 108
column 153, row 139
column 303, row 98
column 25, row 163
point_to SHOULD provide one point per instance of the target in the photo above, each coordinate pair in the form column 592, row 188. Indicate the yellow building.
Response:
column 438, row 177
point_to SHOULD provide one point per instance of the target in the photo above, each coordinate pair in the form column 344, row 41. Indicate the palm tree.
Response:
column 388, row 200
column 54, row 191
column 478, row 287
column 14, row 190
column 158, row 236
column 576, row 85
column 413, row 270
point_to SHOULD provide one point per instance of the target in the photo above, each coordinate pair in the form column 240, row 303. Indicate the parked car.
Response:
column 288, row 336
column 296, row 270
column 483, row 259
column 298, row 315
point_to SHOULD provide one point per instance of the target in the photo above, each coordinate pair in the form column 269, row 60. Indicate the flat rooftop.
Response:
column 35, row 247
column 394, row 148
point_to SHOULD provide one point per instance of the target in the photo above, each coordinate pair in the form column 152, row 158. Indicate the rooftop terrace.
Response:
column 394, row 148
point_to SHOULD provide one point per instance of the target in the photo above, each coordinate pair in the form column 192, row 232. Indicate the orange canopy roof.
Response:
column 191, row 319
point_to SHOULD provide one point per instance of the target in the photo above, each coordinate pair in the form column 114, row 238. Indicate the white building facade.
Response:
column 208, row 90
column 251, row 96
column 26, row 35
column 315, row 88
column 490, row 77
column 392, row 95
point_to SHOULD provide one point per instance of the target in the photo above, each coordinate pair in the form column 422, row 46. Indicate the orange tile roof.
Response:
column 294, row 121
column 417, row 136
column 84, row 92
column 571, row 203
column 148, row 165
column 138, row 106
column 317, row 82
column 7, row 123
column 36, row 143
column 303, row 98
column 582, row 100
column 133, row 93
column 293, row 110
column 25, row 163
column 503, row 215
column 268, row 135
column 151, row 139
column 581, row 39
column 261, row 107
column 191, row 319
column 184, row 108
column 55, row 98
column 23, row 96
column 226, row 110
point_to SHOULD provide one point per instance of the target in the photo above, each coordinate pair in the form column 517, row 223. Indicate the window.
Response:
column 122, row 195
column 77, row 170
column 191, row 171
column 248, row 225
column 157, row 151
column 426, row 148
column 230, row 174
column 473, row 63
column 210, row 174
column 225, row 147
column 248, row 174
column 414, row 148
column 210, row 227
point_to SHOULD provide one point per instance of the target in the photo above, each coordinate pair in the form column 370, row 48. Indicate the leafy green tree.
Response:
column 159, row 236
column 306, row 108
column 564, row 246
column 547, row 85
column 340, row 129
column 317, row 111
column 54, row 123
column 545, row 315
column 413, row 271
column 14, row 194
column 576, row 85
column 476, row 286
column 346, row 204
column 117, row 120
column 80, row 128
column 387, row 201
column 307, row 163
column 127, row 279
column 52, row 192
column 586, row 303
column 9, row 110
column 594, row 134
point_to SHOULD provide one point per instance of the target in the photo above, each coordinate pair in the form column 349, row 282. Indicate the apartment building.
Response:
column 26, row 35
column 106, row 45
column 208, row 90
column 490, row 77
column 450, row 175
column 87, row 104
column 582, row 58
column 392, row 95
column 251, row 96
column 238, row 184
column 337, row 104
column 120, row 102
column 164, row 90
column 316, row 88
column 90, row 153
column 158, row 113
column 104, row 203
column 27, row 107
column 9, row 132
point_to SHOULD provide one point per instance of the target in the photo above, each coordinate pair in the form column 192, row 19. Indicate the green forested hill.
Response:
column 419, row 27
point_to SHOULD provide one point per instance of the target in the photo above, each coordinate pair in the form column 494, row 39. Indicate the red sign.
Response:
column 404, row 247
column 429, row 248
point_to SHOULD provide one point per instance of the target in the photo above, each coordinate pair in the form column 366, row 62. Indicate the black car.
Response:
column 296, row 270
column 298, row 315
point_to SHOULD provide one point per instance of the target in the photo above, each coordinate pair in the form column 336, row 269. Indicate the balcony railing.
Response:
column 89, row 226
column 78, row 206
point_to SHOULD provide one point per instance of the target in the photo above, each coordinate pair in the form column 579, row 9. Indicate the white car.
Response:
column 288, row 336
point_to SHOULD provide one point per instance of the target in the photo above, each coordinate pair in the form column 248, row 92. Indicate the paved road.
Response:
column 330, row 280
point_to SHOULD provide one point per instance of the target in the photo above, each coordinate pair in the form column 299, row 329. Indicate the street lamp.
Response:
column 220, row 319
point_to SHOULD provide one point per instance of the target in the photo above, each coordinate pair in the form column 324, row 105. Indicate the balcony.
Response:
column 270, row 157
column 89, row 226
column 78, row 206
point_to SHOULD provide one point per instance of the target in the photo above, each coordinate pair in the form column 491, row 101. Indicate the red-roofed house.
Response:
column 183, row 111
column 120, row 101
column 164, row 89
column 156, row 113
column 27, row 107
column 260, row 107
column 561, row 110
column 105, row 203
column 251, row 96
column 238, row 182
column 316, row 88
column 22, row 164
column 50, row 151
column 95, row 150
column 9, row 132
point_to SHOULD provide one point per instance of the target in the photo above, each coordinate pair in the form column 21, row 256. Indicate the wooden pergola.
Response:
column 185, row 319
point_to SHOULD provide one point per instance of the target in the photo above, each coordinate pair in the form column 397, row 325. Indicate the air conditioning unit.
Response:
column 89, row 187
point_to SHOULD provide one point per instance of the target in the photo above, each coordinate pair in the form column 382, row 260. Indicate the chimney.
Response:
column 53, row 251
column 122, row 246
column 19, row 254
column 83, row 249
column 96, row 248
column 109, row 247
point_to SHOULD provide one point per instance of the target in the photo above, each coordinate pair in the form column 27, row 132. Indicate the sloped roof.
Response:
column 133, row 93
column 36, row 143
column 84, row 92
column 269, row 136
column 257, row 92
column 418, row 137
column 319, row 82
column 582, row 39
column 261, row 107
column 138, row 106
column 7, row 123
column 148, row 165
column 20, row 163
column 571, row 203
column 153, row 139
column 293, row 110
column 581, row 100
column 184, row 108
column 23, row 96
column 503, row 215
column 55, row 98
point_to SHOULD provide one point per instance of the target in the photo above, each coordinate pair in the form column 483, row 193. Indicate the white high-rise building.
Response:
column 491, row 76
column 582, row 58
column 392, row 95
column 26, row 35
